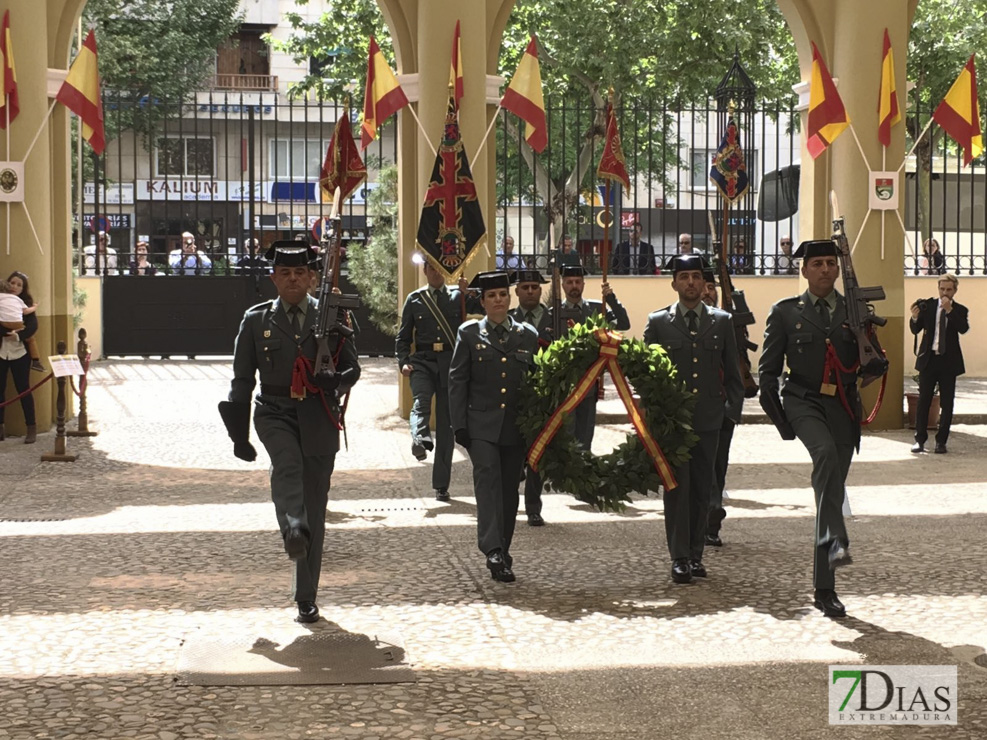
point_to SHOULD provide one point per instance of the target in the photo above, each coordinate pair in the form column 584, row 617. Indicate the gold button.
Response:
column 695, row 359
column 502, row 405
column 503, row 390
column 695, row 375
column 503, row 375
column 695, row 390
column 694, row 345
column 503, row 359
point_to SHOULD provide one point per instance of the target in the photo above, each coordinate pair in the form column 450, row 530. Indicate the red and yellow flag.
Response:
column 612, row 164
column 959, row 113
column 80, row 94
column 524, row 98
column 827, row 115
column 343, row 168
column 383, row 96
column 9, row 102
column 888, row 113
column 456, row 69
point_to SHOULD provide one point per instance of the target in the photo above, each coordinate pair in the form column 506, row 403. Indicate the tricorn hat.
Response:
column 485, row 281
column 682, row 262
column 528, row 276
column 708, row 275
column 815, row 248
column 292, row 254
column 573, row 271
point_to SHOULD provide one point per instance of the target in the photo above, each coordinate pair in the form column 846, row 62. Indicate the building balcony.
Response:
column 264, row 83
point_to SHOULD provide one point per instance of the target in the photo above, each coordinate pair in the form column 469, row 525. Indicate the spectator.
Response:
column 15, row 358
column 932, row 262
column 685, row 244
column 740, row 260
column 634, row 257
column 784, row 264
column 140, row 265
column 569, row 255
column 187, row 260
column 253, row 263
column 506, row 259
column 99, row 257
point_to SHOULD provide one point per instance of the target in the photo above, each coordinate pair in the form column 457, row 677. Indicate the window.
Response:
column 187, row 157
column 701, row 161
column 297, row 159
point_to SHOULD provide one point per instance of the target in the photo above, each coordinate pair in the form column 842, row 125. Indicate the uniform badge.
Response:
column 267, row 333
column 798, row 326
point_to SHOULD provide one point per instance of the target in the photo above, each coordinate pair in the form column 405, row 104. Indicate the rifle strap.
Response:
column 439, row 317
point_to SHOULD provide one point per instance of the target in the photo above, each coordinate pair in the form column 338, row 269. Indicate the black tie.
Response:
column 500, row 331
column 295, row 323
column 693, row 322
column 823, row 308
column 529, row 317
column 942, row 332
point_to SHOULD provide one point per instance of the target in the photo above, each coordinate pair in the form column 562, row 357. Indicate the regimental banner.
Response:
column 883, row 191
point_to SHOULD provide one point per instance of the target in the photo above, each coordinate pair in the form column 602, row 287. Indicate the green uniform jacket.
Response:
column 544, row 327
column 485, row 379
column 267, row 344
column 616, row 313
column 794, row 335
column 419, row 327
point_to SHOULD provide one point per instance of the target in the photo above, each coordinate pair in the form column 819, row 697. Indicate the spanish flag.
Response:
column 456, row 69
column 888, row 113
column 827, row 116
column 524, row 98
column 343, row 168
column 9, row 103
column 80, row 94
column 383, row 95
column 959, row 113
column 612, row 164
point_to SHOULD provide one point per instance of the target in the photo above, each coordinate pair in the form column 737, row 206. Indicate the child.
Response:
column 12, row 310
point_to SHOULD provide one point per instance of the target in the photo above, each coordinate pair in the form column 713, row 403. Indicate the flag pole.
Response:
column 6, row 113
column 487, row 134
column 421, row 128
column 41, row 127
column 605, row 256
column 915, row 144
column 884, row 168
column 860, row 147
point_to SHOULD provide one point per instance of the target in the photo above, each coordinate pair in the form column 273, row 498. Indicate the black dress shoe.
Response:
column 418, row 450
column 839, row 554
column 713, row 540
column 507, row 575
column 681, row 573
column 697, row 568
column 918, row 447
column 441, row 494
column 940, row 449
column 535, row 520
column 307, row 612
column 499, row 570
column 296, row 543
column 826, row 601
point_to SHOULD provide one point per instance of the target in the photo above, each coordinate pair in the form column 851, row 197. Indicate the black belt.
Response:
column 433, row 347
column 814, row 387
column 281, row 391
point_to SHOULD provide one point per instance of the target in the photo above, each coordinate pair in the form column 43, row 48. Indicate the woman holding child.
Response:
column 15, row 356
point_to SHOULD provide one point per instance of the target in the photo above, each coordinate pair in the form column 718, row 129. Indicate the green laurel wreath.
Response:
column 605, row 482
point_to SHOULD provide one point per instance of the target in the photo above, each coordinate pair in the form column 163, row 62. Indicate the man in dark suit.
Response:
column 531, row 311
column 940, row 359
column 429, row 321
column 702, row 345
column 573, row 284
column 633, row 257
column 296, row 416
column 491, row 359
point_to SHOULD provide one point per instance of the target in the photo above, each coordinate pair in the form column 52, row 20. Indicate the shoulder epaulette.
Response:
column 261, row 306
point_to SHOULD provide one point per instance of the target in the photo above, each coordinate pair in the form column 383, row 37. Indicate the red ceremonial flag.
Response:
column 80, row 94
column 383, row 96
column 456, row 70
column 888, row 113
column 8, row 101
column 343, row 167
column 612, row 165
column 959, row 113
column 524, row 98
column 827, row 115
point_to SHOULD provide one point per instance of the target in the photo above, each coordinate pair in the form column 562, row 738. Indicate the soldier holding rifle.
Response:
column 820, row 335
column 296, row 413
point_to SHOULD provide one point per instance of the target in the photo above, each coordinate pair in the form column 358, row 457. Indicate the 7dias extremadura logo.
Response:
column 892, row 695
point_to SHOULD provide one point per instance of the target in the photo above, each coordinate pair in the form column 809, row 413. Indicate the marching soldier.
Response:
column 701, row 343
column 573, row 283
column 531, row 311
column 429, row 320
column 717, row 513
column 297, row 421
column 804, row 331
column 489, row 363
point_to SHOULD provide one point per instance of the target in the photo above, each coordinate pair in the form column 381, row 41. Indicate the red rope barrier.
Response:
column 83, row 382
column 34, row 387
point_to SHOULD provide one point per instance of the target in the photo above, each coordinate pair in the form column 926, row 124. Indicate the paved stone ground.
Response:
column 157, row 533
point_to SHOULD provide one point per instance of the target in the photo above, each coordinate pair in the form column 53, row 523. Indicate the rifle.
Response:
column 861, row 317
column 734, row 302
column 332, row 305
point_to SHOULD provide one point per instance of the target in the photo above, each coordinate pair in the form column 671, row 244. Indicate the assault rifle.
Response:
column 734, row 302
column 561, row 316
column 861, row 317
column 332, row 318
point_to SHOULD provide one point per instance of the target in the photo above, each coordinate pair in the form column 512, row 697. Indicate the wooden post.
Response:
column 82, row 350
column 59, row 454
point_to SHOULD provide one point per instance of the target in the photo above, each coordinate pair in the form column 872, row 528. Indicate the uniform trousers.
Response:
column 720, row 475
column 299, row 489
column 532, row 492
column 585, row 420
column 496, row 471
column 426, row 383
column 937, row 371
column 813, row 425
column 687, row 505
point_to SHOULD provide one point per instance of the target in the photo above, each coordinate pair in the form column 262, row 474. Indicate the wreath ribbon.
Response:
column 607, row 360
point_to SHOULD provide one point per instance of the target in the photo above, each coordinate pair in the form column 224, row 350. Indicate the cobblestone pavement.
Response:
column 157, row 533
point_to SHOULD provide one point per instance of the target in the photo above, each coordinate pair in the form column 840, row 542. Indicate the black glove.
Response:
column 327, row 382
column 236, row 418
column 463, row 438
